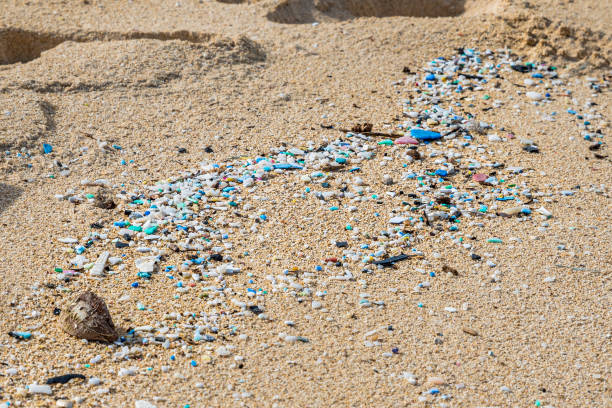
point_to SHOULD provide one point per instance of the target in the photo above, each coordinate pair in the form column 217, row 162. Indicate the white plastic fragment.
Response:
column 143, row 404
column 40, row 389
column 534, row 96
column 544, row 212
column 146, row 264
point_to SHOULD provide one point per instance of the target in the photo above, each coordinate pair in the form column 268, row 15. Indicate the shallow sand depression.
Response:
column 305, row 203
column 307, row 11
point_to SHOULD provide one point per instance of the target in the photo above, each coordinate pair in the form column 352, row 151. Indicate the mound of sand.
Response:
column 539, row 37
column 128, row 63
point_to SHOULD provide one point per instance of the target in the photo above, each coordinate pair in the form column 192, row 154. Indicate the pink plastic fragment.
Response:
column 406, row 140
column 479, row 177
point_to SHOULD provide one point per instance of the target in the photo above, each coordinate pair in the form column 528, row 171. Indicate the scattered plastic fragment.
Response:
column 40, row 389
column 20, row 335
column 63, row 379
column 390, row 261
column 426, row 135
column 406, row 140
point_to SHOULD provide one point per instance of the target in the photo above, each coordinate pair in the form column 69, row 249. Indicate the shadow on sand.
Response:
column 8, row 194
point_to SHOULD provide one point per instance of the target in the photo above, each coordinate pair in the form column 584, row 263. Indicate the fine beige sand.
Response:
column 243, row 77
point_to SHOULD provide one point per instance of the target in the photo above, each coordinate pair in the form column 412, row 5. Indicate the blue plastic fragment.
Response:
column 421, row 134
column 47, row 148
column 20, row 335
column 287, row 166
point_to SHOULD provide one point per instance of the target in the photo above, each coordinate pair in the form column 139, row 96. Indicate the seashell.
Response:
column 104, row 199
column 89, row 318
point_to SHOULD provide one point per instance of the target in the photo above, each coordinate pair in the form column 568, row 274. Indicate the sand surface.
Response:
column 135, row 92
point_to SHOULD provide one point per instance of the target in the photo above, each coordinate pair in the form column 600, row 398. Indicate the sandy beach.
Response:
column 235, row 179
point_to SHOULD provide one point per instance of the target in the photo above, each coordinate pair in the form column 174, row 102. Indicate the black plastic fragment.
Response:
column 255, row 309
column 341, row 244
column 521, row 68
column 392, row 260
column 63, row 379
column 531, row 149
column 216, row 257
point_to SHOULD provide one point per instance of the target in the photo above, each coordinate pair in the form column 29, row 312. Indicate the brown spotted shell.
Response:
column 89, row 318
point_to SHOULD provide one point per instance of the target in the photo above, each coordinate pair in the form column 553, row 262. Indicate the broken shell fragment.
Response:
column 89, row 318
column 98, row 268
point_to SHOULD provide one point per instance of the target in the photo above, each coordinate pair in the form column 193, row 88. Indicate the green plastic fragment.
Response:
column 494, row 240
column 136, row 228
column 151, row 230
